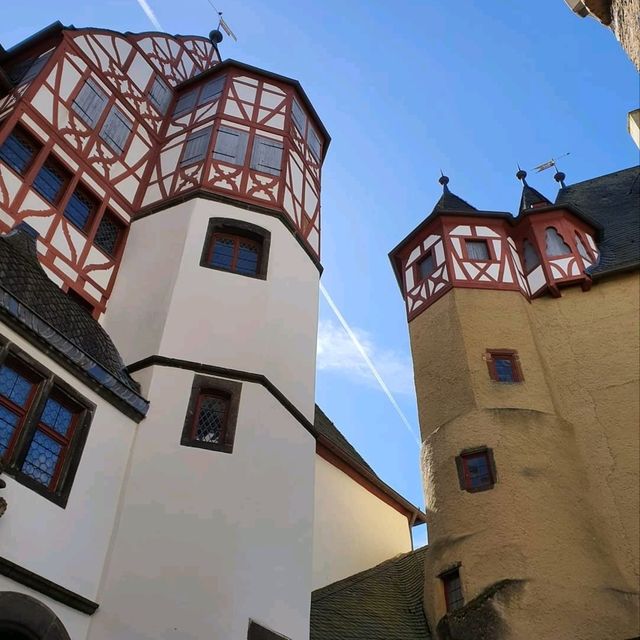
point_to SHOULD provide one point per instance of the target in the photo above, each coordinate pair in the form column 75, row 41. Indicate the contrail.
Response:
column 370, row 364
column 144, row 5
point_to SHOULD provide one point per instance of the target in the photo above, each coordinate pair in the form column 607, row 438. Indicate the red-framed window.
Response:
column 212, row 414
column 109, row 234
column 476, row 469
column 235, row 253
column 504, row 365
column 43, row 426
column 478, row 250
column 452, row 587
column 51, row 180
column 81, row 208
column 555, row 246
column 19, row 150
column 425, row 266
column 531, row 257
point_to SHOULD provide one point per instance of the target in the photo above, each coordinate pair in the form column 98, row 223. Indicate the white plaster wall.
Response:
column 68, row 546
column 75, row 622
column 165, row 303
column 208, row 540
column 353, row 529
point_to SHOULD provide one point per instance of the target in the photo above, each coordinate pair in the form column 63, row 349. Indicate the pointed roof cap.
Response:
column 450, row 201
column 530, row 197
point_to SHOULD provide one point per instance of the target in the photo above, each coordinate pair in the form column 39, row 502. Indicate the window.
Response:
column 160, row 95
column 266, row 155
column 299, row 118
column 43, row 426
column 196, row 146
column 582, row 249
column 212, row 414
column 236, row 246
column 231, row 145
column 116, row 129
column 452, row 590
column 81, row 208
column 478, row 250
column 314, row 143
column 555, row 245
column 19, row 150
column 108, row 234
column 531, row 257
column 425, row 266
column 476, row 469
column 26, row 70
column 211, row 90
column 258, row 632
column 51, row 180
column 90, row 103
column 504, row 365
column 185, row 102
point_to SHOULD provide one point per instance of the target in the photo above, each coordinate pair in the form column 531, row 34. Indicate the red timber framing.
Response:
column 445, row 238
column 369, row 481
column 146, row 173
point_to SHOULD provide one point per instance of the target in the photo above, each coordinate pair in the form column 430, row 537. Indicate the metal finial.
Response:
column 216, row 36
column 521, row 174
column 559, row 177
column 443, row 180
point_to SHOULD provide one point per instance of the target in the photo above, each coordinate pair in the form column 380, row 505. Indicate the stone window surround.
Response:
column 461, row 472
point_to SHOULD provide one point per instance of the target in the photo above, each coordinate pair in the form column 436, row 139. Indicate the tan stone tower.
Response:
column 525, row 347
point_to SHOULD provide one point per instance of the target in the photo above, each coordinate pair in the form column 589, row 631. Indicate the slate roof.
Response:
column 24, row 280
column 613, row 202
column 531, row 197
column 382, row 603
column 451, row 202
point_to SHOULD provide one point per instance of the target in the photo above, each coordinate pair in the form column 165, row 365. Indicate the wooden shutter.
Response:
column 267, row 155
column 195, row 148
column 231, row 145
column 90, row 103
column 299, row 118
column 212, row 90
column 313, row 142
column 116, row 129
column 160, row 95
column 35, row 68
column 185, row 102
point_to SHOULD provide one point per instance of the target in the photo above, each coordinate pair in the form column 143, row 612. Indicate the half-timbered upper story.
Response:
column 99, row 127
column 542, row 249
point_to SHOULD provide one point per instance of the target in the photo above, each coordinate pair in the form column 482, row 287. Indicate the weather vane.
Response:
column 222, row 24
column 549, row 163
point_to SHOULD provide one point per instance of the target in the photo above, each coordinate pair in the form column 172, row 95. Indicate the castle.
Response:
column 166, row 471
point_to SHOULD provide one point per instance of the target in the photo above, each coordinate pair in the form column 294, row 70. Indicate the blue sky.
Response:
column 405, row 89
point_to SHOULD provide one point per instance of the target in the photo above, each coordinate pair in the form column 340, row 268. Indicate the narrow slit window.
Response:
column 81, row 208
column 478, row 250
column 452, row 586
column 90, row 103
column 504, row 365
column 267, row 155
column 582, row 249
column 298, row 116
column 195, row 148
column 116, row 130
column 51, row 180
column 314, row 143
column 19, row 150
column 231, row 145
column 531, row 257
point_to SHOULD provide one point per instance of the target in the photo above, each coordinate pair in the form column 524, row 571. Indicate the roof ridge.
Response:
column 606, row 175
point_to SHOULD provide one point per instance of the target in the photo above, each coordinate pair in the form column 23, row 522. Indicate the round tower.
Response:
column 528, row 536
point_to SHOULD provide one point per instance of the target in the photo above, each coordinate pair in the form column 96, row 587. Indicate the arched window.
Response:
column 531, row 257
column 556, row 246
column 582, row 249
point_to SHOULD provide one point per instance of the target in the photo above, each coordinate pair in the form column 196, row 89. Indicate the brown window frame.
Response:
column 241, row 230
column 418, row 277
column 485, row 241
column 463, row 475
column 46, row 386
column 206, row 386
column 446, row 577
column 491, row 355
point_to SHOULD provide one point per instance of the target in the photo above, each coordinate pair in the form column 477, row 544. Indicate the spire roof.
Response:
column 450, row 201
column 530, row 197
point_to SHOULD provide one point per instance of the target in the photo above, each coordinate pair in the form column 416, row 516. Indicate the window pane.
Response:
column 14, row 387
column 556, row 246
column 35, row 68
column 18, row 151
column 222, row 255
column 531, row 258
column 504, row 369
column 8, row 423
column 299, row 118
column 90, row 103
column 80, row 208
column 266, row 155
column 42, row 458
column 581, row 248
column 478, row 471
column 185, row 102
column 50, row 181
column 314, row 143
column 56, row 416
column 116, row 129
column 247, row 258
column 196, row 147
column 426, row 266
column 478, row 250
column 108, row 234
column 453, row 591
column 212, row 90
column 160, row 95
column 231, row 145
column 210, row 420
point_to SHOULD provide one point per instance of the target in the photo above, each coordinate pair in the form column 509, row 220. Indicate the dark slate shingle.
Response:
column 382, row 603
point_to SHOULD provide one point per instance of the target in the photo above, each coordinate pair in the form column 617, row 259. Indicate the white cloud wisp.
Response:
column 144, row 5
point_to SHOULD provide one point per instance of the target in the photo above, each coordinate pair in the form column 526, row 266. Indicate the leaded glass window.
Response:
column 210, row 421
column 108, row 234
column 19, row 150
column 234, row 253
column 80, row 208
column 51, row 180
